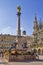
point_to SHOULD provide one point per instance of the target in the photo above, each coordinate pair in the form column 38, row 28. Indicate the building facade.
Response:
column 38, row 36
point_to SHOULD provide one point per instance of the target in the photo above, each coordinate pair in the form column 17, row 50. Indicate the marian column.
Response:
column 18, row 14
column 19, row 37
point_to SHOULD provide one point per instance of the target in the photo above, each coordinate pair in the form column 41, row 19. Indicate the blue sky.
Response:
column 8, row 17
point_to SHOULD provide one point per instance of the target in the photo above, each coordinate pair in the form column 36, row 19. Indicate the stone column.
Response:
column 18, row 14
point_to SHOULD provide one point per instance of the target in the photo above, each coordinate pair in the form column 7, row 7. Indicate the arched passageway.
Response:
column 35, row 50
column 39, row 51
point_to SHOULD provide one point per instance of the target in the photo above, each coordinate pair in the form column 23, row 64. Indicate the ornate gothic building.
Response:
column 38, row 36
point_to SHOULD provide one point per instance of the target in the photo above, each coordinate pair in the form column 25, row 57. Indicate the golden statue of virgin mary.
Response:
column 19, row 9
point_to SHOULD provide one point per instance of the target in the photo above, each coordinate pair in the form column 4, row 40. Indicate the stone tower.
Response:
column 24, row 33
column 40, row 24
column 35, row 24
column 35, row 30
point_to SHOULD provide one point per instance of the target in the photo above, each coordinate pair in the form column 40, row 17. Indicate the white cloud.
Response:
column 8, row 30
column 22, row 28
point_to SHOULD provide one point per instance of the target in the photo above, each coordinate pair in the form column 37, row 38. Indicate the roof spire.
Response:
column 35, row 18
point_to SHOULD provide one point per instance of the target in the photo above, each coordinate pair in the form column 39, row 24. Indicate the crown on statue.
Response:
column 19, row 9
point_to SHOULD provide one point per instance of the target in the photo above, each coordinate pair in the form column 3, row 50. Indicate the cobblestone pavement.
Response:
column 5, row 62
column 27, row 63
